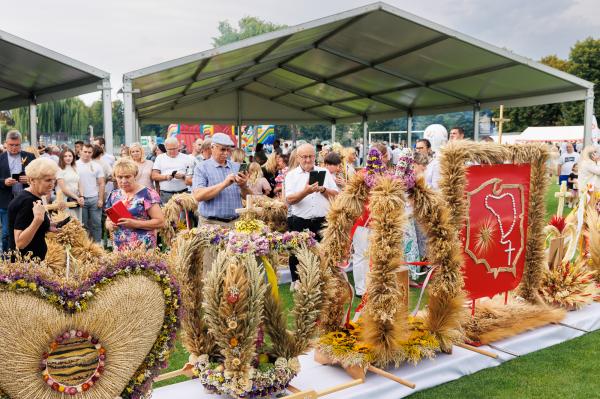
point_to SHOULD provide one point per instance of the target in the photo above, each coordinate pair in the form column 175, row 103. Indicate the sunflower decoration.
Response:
column 345, row 346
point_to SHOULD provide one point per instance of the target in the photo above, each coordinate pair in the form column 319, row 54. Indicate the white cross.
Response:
column 509, row 251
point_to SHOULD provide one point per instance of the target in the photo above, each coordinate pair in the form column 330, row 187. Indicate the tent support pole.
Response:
column 107, row 115
column 238, row 121
column 128, row 116
column 333, row 127
column 587, row 117
column 138, row 128
column 409, row 128
column 33, row 123
column 294, row 135
column 476, row 109
column 366, row 143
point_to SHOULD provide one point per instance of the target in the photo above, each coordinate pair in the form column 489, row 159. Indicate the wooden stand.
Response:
column 358, row 372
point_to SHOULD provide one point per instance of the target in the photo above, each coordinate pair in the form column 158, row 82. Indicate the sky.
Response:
column 119, row 36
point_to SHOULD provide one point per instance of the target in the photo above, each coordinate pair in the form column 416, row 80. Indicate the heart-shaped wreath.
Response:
column 104, row 338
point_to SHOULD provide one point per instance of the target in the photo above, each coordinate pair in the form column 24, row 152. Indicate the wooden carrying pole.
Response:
column 477, row 350
column 391, row 376
column 186, row 371
column 317, row 394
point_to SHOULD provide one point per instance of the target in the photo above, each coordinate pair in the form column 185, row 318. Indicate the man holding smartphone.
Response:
column 218, row 185
column 12, row 177
column 309, row 203
column 170, row 170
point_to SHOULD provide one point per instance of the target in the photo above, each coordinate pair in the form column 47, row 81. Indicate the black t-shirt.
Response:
column 571, row 184
column 20, row 216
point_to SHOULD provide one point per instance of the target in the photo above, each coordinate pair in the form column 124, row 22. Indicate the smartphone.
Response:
column 316, row 176
column 173, row 173
column 16, row 176
column 243, row 168
column 63, row 222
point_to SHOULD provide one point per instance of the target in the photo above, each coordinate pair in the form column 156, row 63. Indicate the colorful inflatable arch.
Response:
column 187, row 134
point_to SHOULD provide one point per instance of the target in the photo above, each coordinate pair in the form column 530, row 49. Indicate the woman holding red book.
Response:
column 137, row 209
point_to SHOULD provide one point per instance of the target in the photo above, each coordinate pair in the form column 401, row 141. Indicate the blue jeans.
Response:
column 4, row 221
column 91, row 218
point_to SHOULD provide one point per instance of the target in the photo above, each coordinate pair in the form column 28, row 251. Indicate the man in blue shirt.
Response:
column 218, row 185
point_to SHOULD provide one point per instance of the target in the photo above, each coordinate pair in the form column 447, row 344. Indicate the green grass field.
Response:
column 567, row 370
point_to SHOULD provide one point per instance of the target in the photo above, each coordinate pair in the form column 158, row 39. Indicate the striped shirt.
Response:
column 210, row 173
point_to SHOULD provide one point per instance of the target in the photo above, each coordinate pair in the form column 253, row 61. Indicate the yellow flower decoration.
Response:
column 249, row 226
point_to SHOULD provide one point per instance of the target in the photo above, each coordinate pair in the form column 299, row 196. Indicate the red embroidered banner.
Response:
column 495, row 232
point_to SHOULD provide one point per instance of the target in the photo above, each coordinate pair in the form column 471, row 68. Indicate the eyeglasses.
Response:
column 173, row 149
column 420, row 148
column 306, row 157
column 13, row 145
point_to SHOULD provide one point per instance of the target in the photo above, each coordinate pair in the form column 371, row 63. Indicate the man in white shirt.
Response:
column 91, row 176
column 396, row 152
column 172, row 171
column 309, row 203
column 565, row 165
column 437, row 135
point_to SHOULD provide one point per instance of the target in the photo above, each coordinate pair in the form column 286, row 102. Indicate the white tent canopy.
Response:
column 373, row 62
column 31, row 74
column 552, row 133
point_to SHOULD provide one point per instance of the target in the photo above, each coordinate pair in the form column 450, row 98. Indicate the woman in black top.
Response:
column 28, row 221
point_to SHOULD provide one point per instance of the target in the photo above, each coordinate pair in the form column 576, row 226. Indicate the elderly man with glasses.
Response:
column 308, row 203
column 218, row 185
column 12, row 177
column 172, row 171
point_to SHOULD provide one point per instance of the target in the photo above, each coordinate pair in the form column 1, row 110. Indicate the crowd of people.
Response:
column 86, row 182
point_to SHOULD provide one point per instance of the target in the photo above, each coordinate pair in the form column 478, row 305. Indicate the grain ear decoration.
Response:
column 592, row 221
column 186, row 256
column 271, row 211
column 234, row 294
column 445, row 312
column 72, row 238
column 569, row 285
column 172, row 210
column 385, row 317
column 308, row 304
column 453, row 165
column 493, row 320
column 335, row 248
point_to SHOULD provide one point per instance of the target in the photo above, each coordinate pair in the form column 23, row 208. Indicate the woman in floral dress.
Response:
column 143, row 204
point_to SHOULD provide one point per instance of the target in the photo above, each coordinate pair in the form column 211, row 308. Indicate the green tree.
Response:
column 118, row 123
column 583, row 62
column 96, row 116
column 247, row 27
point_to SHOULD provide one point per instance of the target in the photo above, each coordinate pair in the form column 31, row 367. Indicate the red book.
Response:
column 118, row 211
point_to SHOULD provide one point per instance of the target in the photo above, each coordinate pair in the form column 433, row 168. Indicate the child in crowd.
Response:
column 333, row 163
column 256, row 181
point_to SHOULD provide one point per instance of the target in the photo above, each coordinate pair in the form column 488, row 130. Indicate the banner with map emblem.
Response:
column 495, row 232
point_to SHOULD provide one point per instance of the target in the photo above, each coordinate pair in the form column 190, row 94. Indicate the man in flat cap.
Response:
column 218, row 185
